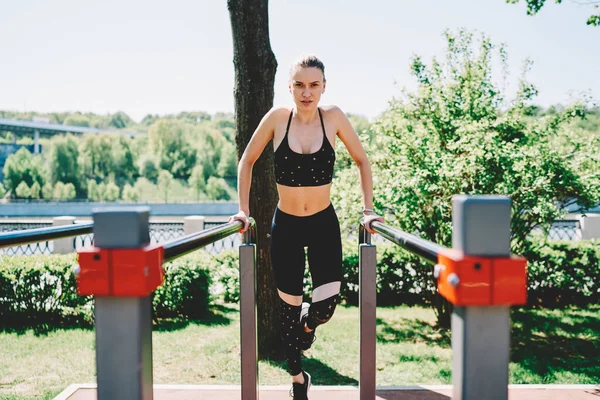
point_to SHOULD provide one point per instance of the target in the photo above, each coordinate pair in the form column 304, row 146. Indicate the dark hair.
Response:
column 309, row 61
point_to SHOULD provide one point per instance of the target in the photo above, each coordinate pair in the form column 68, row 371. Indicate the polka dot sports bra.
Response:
column 295, row 169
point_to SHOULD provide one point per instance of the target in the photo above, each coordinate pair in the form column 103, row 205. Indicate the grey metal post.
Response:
column 248, row 326
column 67, row 245
column 193, row 224
column 481, row 335
column 123, row 324
column 367, row 263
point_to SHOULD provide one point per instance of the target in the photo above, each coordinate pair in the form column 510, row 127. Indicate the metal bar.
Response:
column 368, row 319
column 9, row 239
column 124, row 348
column 188, row 243
column 424, row 248
column 481, row 335
column 248, row 325
column 123, row 324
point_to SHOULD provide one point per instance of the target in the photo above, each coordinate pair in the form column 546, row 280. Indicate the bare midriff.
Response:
column 303, row 201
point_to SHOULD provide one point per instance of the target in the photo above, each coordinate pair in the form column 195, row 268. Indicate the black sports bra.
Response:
column 295, row 169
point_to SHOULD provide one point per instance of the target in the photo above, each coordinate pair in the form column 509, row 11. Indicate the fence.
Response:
column 159, row 232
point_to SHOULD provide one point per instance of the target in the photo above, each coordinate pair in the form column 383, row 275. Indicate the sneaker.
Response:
column 306, row 338
column 299, row 391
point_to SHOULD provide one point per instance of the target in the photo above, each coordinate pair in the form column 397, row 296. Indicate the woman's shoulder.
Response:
column 280, row 110
column 332, row 111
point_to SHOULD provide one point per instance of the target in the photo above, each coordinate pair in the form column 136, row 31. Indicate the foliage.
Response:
column 168, row 141
column 22, row 166
column 63, row 191
column 2, row 190
column 35, row 191
column 562, row 273
column 111, row 192
column 63, row 165
column 185, row 291
column 22, row 191
column 217, row 189
column 148, row 168
column 41, row 290
column 196, row 181
column 534, row 6
column 47, row 191
column 457, row 134
column 130, row 194
column 165, row 179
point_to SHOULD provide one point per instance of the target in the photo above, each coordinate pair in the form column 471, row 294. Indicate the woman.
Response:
column 304, row 142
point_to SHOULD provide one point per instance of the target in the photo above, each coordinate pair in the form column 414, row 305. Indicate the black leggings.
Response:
column 290, row 234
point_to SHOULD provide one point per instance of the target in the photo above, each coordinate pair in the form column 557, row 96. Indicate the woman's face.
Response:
column 306, row 86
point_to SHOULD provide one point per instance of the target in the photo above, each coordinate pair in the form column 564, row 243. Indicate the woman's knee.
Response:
column 320, row 312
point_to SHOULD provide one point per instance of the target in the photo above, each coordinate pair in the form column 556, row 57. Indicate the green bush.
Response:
column 185, row 292
column 562, row 273
column 400, row 279
column 40, row 290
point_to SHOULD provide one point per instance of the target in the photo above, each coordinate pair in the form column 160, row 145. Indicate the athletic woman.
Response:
column 304, row 142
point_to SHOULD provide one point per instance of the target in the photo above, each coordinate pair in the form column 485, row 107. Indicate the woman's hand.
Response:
column 243, row 217
column 369, row 218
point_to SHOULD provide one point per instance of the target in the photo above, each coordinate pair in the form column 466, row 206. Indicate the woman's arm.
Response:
column 350, row 138
column 261, row 136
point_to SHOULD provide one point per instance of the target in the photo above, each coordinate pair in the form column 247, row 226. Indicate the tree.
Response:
column 22, row 191
column 59, row 191
column 2, row 190
column 196, row 181
column 22, row 166
column 130, row 194
column 227, row 167
column 47, row 191
column 165, row 179
column 148, row 168
column 111, row 193
column 63, row 165
column 456, row 134
column 69, row 192
column 534, row 6
column 255, row 67
column 217, row 189
column 92, row 190
column 168, row 140
column 35, row 191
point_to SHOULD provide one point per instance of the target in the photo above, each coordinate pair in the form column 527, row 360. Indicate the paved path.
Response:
column 442, row 392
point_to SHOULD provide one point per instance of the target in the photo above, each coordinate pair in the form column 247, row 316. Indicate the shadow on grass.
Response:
column 412, row 330
column 322, row 374
column 44, row 324
column 421, row 395
column 548, row 343
column 218, row 315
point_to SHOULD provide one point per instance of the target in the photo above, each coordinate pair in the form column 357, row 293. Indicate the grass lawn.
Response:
column 549, row 346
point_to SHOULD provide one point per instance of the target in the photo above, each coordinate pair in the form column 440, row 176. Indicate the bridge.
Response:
column 37, row 128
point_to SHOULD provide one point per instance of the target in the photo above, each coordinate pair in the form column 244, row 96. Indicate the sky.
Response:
column 157, row 57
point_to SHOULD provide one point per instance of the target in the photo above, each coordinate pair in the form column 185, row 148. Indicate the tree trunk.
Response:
column 255, row 67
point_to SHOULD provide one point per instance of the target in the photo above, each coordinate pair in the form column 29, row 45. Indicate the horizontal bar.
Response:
column 9, row 239
column 188, row 243
column 423, row 248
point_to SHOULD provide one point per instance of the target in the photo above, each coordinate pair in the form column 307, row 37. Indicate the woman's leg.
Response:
column 325, row 261
column 287, row 256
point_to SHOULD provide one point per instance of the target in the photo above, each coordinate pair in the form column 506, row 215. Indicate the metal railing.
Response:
column 10, row 239
column 159, row 232
column 477, row 275
column 123, row 306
